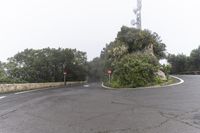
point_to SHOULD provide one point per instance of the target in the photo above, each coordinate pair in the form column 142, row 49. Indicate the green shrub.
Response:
column 8, row 80
column 166, row 69
column 134, row 70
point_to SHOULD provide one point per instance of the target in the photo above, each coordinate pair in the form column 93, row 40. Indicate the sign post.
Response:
column 65, row 74
column 109, row 75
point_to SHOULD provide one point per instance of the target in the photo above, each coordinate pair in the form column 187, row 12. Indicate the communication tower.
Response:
column 138, row 12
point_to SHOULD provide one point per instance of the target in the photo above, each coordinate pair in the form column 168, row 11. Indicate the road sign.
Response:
column 109, row 71
column 65, row 71
column 109, row 75
column 65, row 75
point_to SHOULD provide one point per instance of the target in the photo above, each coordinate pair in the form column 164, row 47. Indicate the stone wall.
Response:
column 31, row 86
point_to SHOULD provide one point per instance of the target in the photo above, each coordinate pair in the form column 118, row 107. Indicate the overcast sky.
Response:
column 89, row 24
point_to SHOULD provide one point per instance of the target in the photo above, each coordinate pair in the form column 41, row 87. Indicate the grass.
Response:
column 170, row 81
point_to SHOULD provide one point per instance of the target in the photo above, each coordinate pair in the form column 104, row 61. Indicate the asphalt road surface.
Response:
column 92, row 109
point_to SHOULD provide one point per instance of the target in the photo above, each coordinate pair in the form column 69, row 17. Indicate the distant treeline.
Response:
column 44, row 65
column 182, row 64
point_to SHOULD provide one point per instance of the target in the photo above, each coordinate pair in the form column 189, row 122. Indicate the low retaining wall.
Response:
column 31, row 86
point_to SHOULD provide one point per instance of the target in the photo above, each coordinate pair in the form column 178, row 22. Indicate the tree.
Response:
column 131, row 40
column 2, row 73
column 195, row 59
column 95, row 69
column 182, row 64
column 113, row 52
column 138, row 40
column 179, row 63
column 47, row 65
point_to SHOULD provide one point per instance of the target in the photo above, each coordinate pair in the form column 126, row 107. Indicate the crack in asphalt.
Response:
column 154, row 127
column 3, row 116
column 139, row 105
column 107, row 114
column 99, row 116
column 178, row 119
column 165, row 115
column 117, row 130
column 121, row 103
column 173, row 118
column 168, row 117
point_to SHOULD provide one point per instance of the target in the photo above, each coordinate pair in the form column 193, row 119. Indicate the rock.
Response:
column 161, row 75
column 149, row 50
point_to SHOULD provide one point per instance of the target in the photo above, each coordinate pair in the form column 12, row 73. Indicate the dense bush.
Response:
column 8, row 80
column 134, row 57
column 134, row 70
column 166, row 68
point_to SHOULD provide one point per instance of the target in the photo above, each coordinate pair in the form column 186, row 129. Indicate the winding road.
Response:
column 92, row 109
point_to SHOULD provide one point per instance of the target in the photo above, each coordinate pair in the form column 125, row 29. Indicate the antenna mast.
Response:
column 138, row 13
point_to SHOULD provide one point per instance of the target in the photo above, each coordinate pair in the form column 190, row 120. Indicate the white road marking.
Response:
column 181, row 81
column 23, row 92
column 86, row 86
column 2, row 97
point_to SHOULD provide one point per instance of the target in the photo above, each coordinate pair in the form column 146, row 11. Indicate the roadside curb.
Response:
column 181, row 81
column 106, row 87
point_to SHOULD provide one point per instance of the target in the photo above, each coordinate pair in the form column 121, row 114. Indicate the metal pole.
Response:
column 65, row 83
column 139, row 14
column 109, row 78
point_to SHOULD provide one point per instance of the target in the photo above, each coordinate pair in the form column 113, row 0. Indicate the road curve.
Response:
column 92, row 109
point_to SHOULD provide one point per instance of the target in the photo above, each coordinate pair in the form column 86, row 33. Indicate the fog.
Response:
column 88, row 25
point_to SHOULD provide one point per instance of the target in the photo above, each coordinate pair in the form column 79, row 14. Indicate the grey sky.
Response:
column 89, row 24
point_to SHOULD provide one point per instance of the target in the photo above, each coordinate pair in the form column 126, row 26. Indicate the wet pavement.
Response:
column 92, row 109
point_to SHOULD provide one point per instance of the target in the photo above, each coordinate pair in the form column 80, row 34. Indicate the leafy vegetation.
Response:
column 134, row 57
column 95, row 70
column 182, row 64
column 166, row 68
column 179, row 63
column 45, row 65
column 134, row 70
